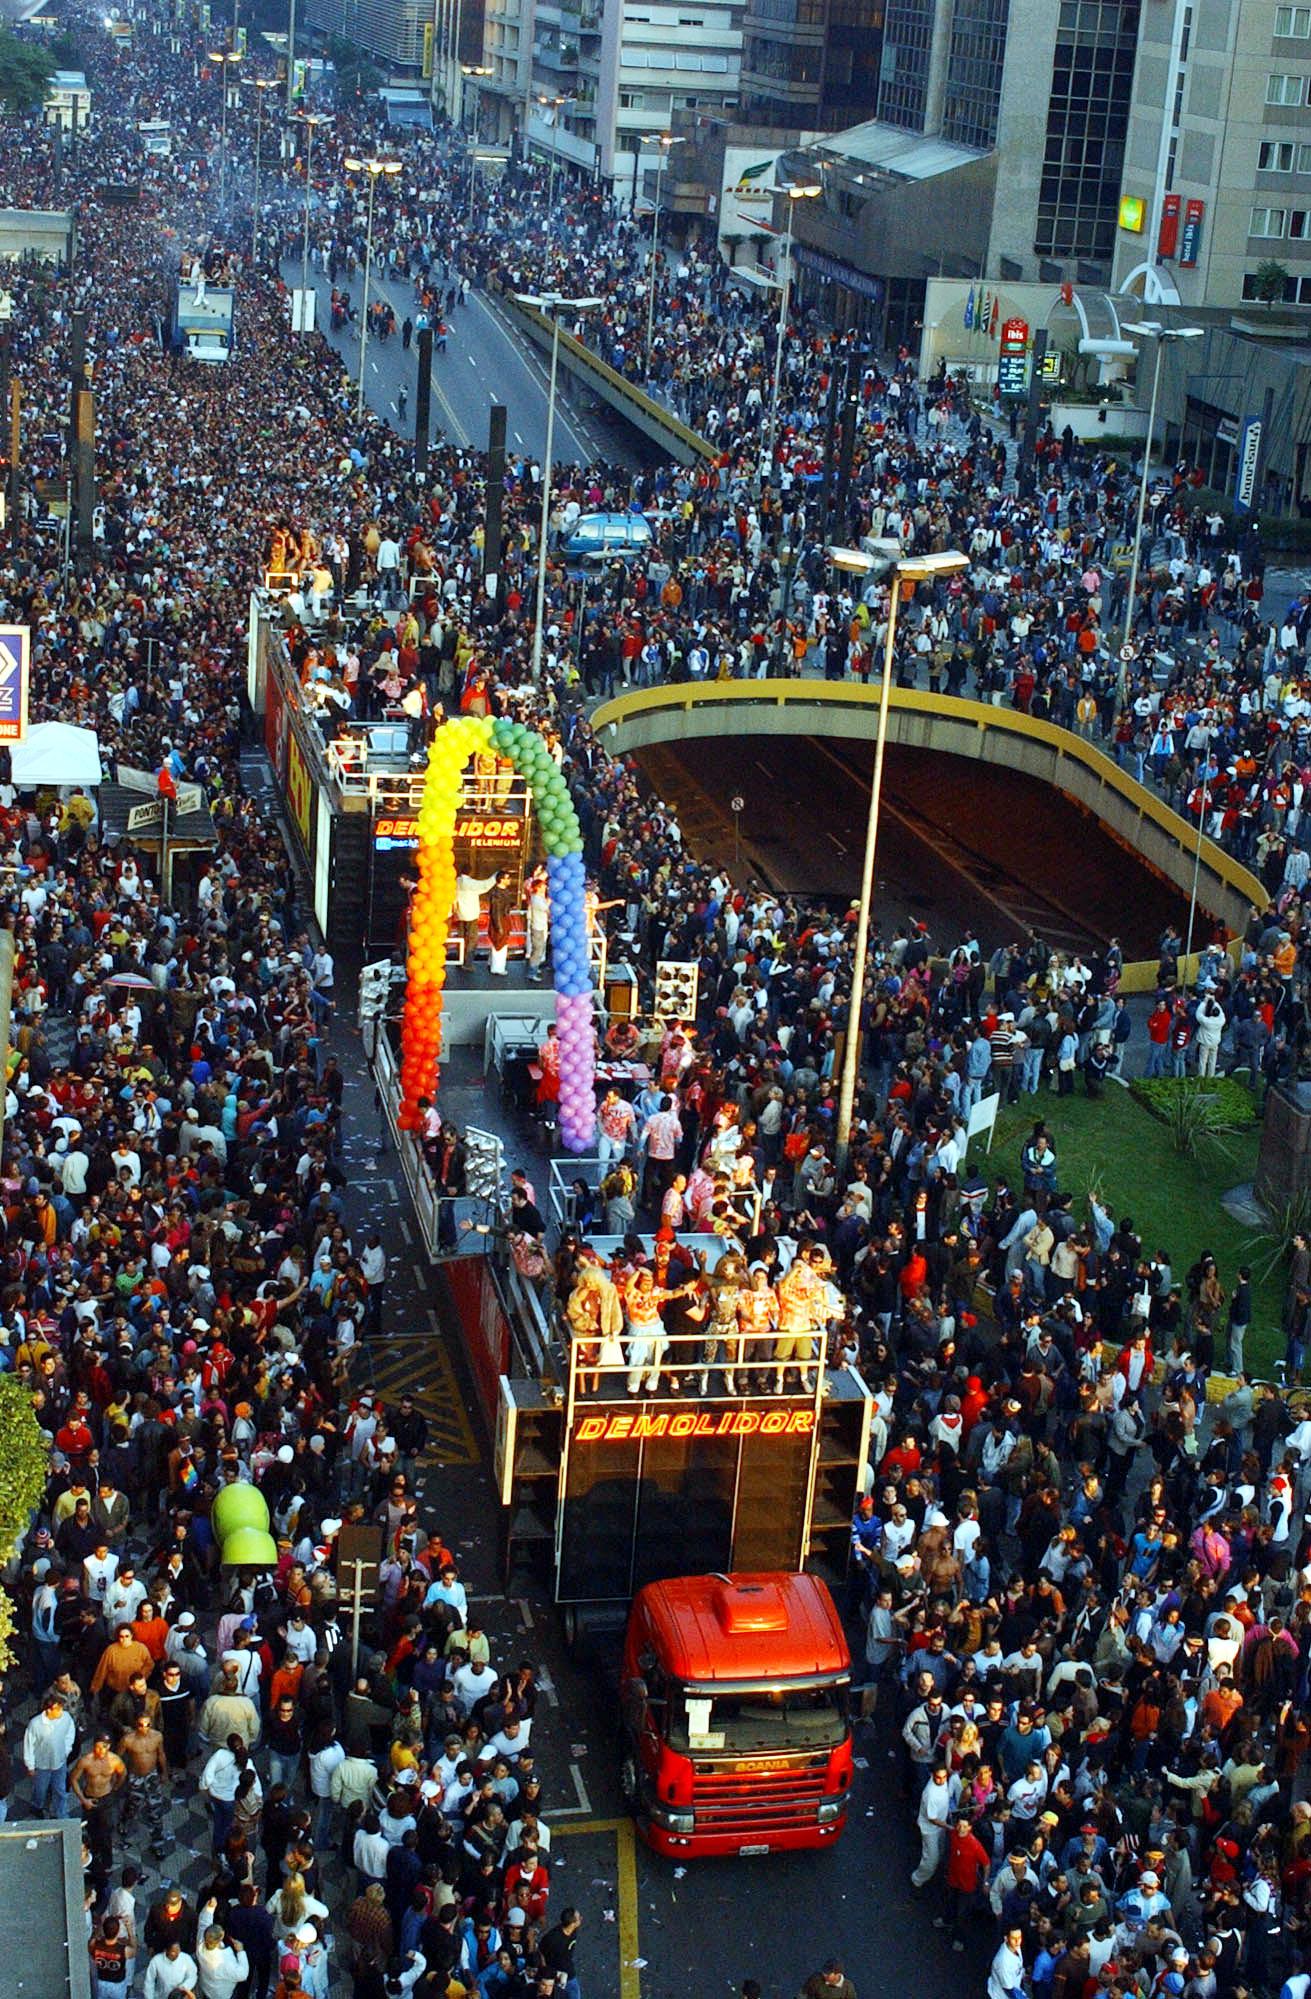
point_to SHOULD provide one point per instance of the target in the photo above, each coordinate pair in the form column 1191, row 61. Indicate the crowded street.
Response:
column 1059, row 1454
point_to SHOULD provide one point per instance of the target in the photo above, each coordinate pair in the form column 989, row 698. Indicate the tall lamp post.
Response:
column 666, row 142
column 798, row 191
column 1162, row 335
column 224, row 58
column 261, row 85
column 904, row 569
column 468, row 70
column 375, row 169
column 310, row 120
column 291, row 59
column 553, row 304
column 555, row 105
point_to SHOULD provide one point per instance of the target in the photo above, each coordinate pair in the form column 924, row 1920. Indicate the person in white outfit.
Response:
column 222, row 1966
column 170, row 1970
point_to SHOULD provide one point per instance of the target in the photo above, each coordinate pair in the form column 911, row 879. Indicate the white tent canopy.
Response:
column 56, row 753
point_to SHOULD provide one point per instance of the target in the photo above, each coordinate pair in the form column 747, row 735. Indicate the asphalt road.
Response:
column 485, row 362
column 803, row 830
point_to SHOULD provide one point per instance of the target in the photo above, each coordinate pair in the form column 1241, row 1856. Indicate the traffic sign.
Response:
column 737, row 803
column 1128, row 652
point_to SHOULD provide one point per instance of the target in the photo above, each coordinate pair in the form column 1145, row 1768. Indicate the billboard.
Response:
column 15, row 671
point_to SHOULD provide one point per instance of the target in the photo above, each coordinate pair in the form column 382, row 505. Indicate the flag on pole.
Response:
column 983, row 309
column 996, row 315
column 969, row 311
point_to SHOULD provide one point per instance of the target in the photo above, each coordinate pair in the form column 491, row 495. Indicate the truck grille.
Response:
column 768, row 1797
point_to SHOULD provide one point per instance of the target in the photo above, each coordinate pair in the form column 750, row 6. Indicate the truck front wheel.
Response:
column 630, row 1783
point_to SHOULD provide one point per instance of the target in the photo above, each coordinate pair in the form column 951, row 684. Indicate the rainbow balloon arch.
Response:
column 421, row 1028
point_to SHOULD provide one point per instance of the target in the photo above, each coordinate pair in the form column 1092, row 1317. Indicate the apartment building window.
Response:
column 1293, row 22
column 1297, row 291
column 1268, row 222
column 1087, row 121
column 1276, row 156
column 1297, row 221
column 1282, row 89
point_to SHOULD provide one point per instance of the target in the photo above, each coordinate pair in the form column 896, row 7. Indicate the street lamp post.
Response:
column 553, row 304
column 374, row 169
column 259, row 84
column 1162, row 335
column 468, row 70
column 1197, row 853
column 666, row 142
column 309, row 119
column 291, row 59
column 223, row 57
column 799, row 191
column 905, row 569
column 555, row 105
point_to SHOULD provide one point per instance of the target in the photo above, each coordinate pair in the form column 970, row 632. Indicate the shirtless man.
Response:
column 95, row 1777
column 142, row 1750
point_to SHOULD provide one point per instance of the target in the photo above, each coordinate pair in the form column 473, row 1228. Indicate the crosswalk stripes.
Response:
column 425, row 1372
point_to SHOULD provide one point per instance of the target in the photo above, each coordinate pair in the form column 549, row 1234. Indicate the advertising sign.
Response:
column 1191, row 240
column 1249, row 457
column 15, row 667
column 1013, row 361
column 1167, row 241
column 300, row 791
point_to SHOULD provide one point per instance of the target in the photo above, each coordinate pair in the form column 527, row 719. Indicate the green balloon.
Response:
column 239, row 1505
column 249, row 1548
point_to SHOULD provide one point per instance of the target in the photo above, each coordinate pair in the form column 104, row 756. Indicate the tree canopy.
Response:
column 26, row 71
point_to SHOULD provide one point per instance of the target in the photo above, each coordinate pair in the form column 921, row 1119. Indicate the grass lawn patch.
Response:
column 1232, row 1099
column 1116, row 1145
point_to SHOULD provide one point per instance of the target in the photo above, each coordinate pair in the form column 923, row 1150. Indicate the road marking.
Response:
column 526, row 1617
column 580, row 1788
column 430, row 1378
column 405, row 1231
column 836, row 842
column 547, row 1685
column 630, row 1983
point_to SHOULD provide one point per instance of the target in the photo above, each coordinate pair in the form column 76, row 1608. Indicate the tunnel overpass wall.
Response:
column 951, row 727
column 688, row 447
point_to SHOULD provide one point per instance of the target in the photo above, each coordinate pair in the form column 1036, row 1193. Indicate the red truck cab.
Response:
column 734, row 1704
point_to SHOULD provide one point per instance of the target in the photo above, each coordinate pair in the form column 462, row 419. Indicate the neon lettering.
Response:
column 638, row 1425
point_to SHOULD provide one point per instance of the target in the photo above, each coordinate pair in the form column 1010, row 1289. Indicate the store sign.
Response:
column 630, row 1424
column 1191, row 240
column 1133, row 211
column 838, row 272
column 15, row 667
column 1249, row 457
column 1167, row 241
column 1013, row 361
column 403, row 831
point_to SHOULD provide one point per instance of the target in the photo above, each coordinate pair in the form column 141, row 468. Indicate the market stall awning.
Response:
column 56, row 753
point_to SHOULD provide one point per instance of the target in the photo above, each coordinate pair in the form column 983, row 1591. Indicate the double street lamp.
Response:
column 666, row 143
column 259, row 84
column 797, row 191
column 224, row 58
column 310, row 120
column 1163, row 336
column 904, row 570
column 552, row 304
column 375, row 169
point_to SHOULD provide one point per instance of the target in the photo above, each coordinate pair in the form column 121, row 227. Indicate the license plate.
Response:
column 744, row 1850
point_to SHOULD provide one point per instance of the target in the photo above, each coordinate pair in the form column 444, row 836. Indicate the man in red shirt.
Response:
column 966, row 1873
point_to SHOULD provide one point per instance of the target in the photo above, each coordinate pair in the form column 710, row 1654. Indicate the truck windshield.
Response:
column 763, row 1718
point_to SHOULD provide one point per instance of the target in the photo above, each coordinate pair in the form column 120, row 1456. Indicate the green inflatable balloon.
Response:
column 239, row 1505
column 248, row 1548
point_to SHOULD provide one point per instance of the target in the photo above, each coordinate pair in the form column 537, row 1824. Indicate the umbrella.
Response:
column 133, row 979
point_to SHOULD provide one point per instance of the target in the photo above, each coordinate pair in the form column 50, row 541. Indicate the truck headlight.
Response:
column 679, row 1821
column 830, row 1809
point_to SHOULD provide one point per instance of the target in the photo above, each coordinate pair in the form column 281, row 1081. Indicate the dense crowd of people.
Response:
column 1082, row 1591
